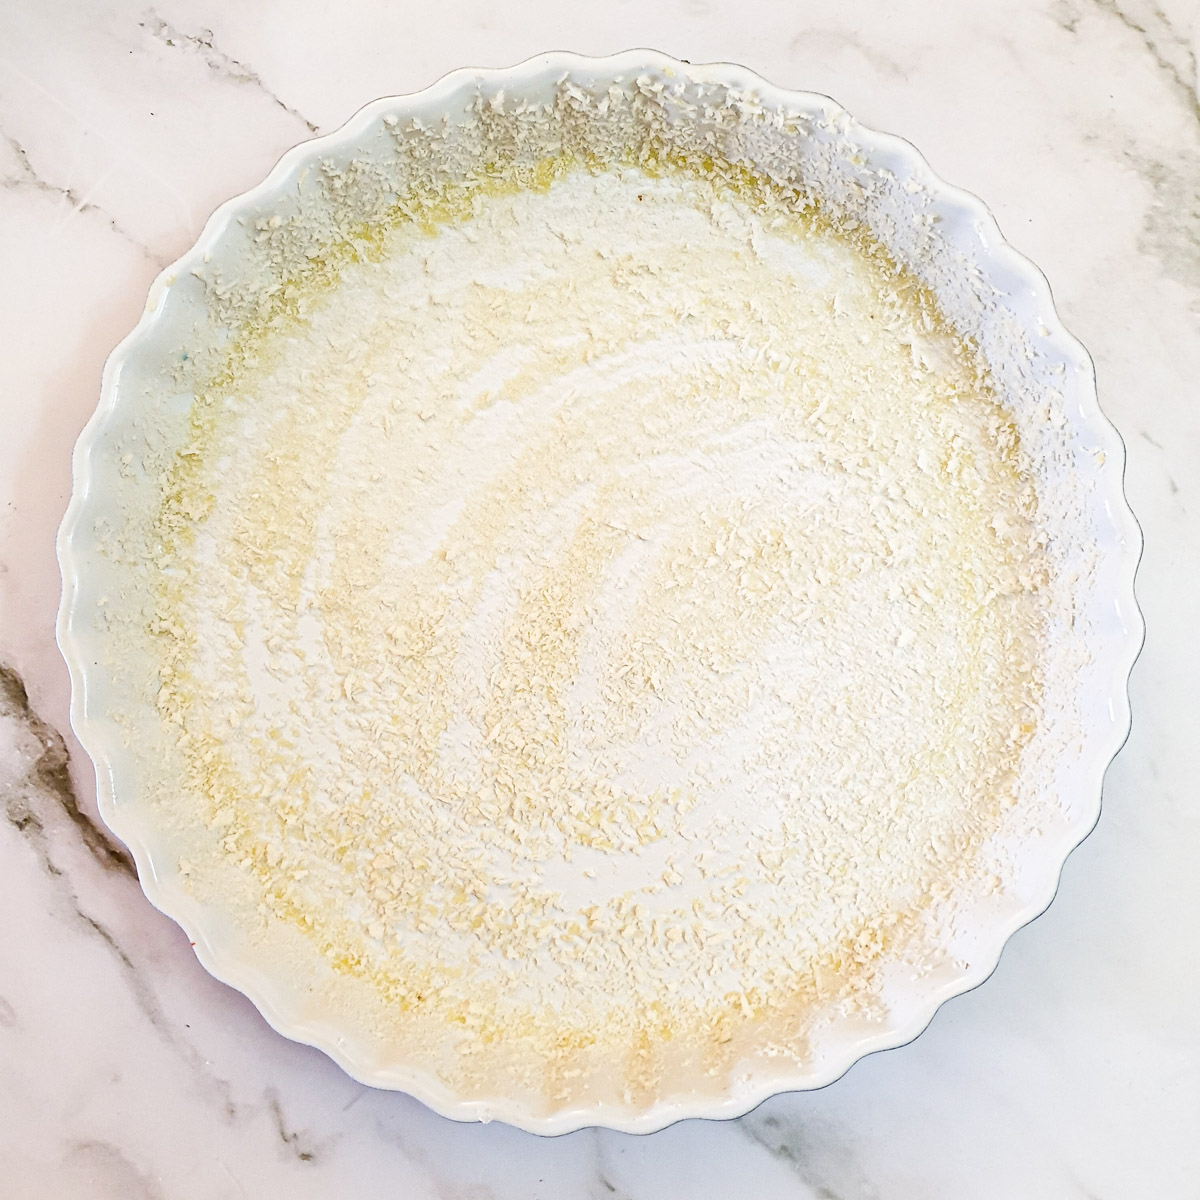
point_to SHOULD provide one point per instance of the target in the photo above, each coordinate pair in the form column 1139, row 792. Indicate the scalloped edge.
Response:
column 1103, row 743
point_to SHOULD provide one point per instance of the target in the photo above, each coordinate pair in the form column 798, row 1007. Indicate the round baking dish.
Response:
column 993, row 296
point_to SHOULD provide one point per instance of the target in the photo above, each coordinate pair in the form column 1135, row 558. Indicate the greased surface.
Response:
column 611, row 620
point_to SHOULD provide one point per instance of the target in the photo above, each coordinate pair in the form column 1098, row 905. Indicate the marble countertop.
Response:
column 126, row 1072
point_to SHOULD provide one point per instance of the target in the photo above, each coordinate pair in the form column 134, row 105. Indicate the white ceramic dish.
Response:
column 993, row 294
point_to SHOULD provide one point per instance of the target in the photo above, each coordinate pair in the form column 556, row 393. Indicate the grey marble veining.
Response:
column 217, row 61
column 71, row 204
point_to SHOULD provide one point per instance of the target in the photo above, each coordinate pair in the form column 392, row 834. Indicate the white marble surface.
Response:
column 127, row 1072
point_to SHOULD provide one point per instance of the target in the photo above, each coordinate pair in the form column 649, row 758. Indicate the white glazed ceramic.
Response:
column 977, row 273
